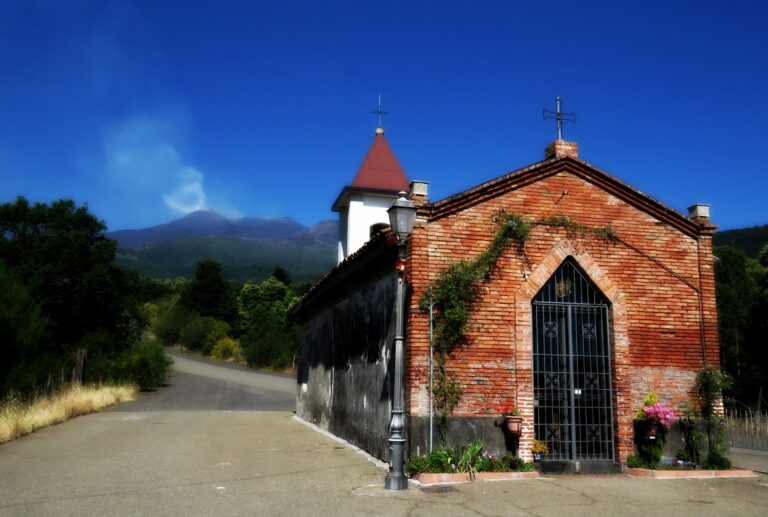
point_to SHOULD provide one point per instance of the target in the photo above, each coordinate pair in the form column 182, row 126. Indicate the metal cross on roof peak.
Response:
column 380, row 111
column 559, row 116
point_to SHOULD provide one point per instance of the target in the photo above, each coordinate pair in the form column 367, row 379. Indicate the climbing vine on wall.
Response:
column 455, row 291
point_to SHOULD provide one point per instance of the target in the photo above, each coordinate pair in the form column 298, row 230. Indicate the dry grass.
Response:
column 18, row 419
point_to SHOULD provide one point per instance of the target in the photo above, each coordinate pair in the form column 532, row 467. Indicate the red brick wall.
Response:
column 651, row 275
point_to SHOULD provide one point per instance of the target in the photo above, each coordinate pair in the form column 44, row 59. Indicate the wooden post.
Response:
column 78, row 373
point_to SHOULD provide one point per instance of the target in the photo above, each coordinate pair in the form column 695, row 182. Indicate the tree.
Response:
column 757, row 330
column 209, row 294
column 59, row 255
column 268, row 337
column 269, row 293
column 736, row 291
column 742, row 304
column 281, row 275
column 21, row 326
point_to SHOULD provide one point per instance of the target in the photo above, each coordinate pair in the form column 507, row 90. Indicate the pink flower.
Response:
column 664, row 415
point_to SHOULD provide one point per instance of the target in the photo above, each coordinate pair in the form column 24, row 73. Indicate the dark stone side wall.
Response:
column 461, row 430
column 346, row 358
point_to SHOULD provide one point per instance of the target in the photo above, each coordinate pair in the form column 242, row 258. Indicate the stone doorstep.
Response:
column 689, row 474
column 427, row 479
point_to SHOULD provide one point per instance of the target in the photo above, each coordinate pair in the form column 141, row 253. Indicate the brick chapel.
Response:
column 574, row 330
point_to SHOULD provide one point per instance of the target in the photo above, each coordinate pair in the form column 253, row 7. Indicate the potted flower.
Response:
column 658, row 416
column 652, row 421
column 540, row 449
column 513, row 422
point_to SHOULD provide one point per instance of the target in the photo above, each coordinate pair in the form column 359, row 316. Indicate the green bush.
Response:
column 710, row 384
column 275, row 349
column 148, row 365
column 439, row 460
column 268, row 338
column 716, row 460
column 518, row 465
column 227, row 348
column 471, row 459
column 169, row 322
column 203, row 333
column 416, row 464
column 636, row 462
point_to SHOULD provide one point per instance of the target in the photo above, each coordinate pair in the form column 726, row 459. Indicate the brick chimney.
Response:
column 699, row 213
column 561, row 149
column 419, row 192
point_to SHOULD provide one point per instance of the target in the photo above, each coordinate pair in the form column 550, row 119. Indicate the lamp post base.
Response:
column 396, row 481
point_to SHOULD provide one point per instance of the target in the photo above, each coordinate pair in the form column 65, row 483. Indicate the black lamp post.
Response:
column 402, row 215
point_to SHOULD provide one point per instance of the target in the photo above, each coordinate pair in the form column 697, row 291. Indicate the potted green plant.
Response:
column 513, row 422
column 540, row 449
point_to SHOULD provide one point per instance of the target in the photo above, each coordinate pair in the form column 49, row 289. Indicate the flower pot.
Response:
column 513, row 425
column 651, row 430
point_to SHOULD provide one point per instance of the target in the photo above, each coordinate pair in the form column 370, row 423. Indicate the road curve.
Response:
column 203, row 445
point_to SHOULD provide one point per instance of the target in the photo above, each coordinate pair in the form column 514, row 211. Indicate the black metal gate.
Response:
column 572, row 368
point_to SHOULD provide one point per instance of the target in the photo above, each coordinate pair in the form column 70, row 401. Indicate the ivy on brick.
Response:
column 575, row 230
column 454, row 292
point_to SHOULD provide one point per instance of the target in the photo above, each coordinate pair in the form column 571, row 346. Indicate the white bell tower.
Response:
column 362, row 205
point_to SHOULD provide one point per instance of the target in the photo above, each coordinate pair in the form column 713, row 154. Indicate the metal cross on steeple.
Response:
column 380, row 111
column 559, row 116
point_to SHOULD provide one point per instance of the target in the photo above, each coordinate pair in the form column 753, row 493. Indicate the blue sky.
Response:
column 147, row 109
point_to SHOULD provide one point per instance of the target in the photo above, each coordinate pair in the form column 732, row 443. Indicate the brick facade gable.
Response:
column 536, row 172
column 658, row 275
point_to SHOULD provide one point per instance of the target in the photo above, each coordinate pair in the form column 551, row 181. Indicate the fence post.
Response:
column 78, row 373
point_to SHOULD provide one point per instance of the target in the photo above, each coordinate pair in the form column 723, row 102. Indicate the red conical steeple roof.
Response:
column 380, row 169
column 380, row 173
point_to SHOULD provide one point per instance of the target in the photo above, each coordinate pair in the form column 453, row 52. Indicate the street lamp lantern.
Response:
column 402, row 215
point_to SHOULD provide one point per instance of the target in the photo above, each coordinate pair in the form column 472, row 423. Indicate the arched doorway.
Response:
column 573, row 411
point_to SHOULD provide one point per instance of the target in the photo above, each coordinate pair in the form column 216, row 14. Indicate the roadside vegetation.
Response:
column 240, row 322
column 72, row 336
column 742, row 306
column 18, row 418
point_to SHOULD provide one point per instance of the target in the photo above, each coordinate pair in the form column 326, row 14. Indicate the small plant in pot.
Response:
column 652, row 421
column 540, row 449
column 513, row 422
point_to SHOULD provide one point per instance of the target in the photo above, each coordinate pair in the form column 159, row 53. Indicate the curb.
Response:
column 380, row 464
column 427, row 479
column 689, row 474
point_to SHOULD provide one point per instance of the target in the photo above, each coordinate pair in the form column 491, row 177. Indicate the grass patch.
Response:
column 18, row 418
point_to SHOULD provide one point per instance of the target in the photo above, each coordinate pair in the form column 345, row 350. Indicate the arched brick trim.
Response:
column 619, row 343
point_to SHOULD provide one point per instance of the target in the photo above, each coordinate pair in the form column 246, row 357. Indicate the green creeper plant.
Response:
column 454, row 292
column 710, row 383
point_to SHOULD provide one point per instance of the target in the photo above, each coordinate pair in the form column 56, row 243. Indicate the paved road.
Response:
column 751, row 459
column 222, row 441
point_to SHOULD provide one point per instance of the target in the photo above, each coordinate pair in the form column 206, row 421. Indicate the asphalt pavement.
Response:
column 222, row 440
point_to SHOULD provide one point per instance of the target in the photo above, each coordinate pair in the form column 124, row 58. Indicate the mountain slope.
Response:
column 205, row 224
column 242, row 259
column 247, row 248
column 747, row 240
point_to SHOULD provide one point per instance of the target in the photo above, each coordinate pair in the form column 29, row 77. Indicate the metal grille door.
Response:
column 572, row 369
